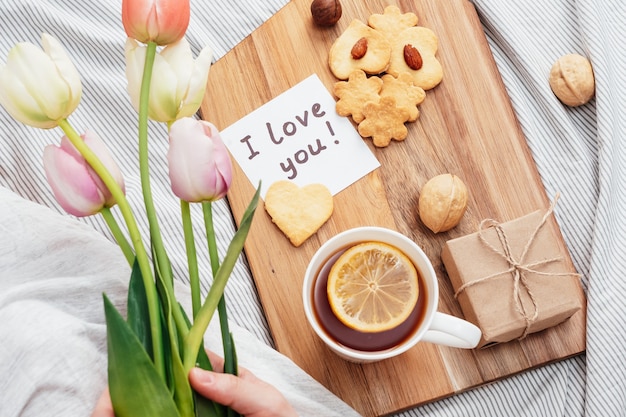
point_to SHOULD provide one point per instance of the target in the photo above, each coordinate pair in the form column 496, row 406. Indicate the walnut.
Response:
column 572, row 80
column 442, row 202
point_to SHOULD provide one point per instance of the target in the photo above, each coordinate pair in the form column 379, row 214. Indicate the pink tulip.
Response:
column 199, row 163
column 159, row 21
column 76, row 186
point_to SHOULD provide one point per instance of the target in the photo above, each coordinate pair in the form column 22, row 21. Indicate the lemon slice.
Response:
column 372, row 287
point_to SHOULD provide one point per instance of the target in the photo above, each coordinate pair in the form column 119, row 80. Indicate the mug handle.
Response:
column 452, row 331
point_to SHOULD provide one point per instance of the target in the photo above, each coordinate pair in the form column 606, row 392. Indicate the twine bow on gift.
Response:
column 517, row 267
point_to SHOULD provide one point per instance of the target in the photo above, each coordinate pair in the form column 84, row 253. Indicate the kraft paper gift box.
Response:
column 506, row 292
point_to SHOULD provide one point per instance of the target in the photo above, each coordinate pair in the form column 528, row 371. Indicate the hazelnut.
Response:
column 571, row 80
column 442, row 202
column 325, row 12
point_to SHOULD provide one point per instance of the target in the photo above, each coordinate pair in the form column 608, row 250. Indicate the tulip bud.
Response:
column 76, row 186
column 200, row 168
column 159, row 21
column 39, row 87
column 178, row 82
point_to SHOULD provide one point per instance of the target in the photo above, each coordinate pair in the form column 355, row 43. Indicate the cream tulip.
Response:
column 178, row 81
column 39, row 87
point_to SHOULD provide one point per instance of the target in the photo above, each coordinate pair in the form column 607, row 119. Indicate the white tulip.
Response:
column 39, row 87
column 178, row 81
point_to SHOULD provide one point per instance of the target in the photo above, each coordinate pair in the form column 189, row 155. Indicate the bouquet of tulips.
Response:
column 152, row 350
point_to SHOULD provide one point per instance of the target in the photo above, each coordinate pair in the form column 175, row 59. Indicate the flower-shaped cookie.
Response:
column 406, row 93
column 384, row 121
column 382, row 99
column 372, row 56
column 354, row 93
column 392, row 21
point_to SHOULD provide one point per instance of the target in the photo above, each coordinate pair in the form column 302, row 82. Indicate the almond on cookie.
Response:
column 425, row 42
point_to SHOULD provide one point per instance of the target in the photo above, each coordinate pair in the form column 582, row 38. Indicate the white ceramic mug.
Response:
column 433, row 326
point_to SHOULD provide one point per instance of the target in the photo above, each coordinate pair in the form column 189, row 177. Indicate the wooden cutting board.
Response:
column 467, row 127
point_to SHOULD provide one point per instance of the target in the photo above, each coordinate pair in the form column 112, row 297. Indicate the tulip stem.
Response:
column 144, row 169
column 121, row 240
column 133, row 231
column 214, row 297
column 192, row 261
column 229, row 362
column 162, row 262
column 193, row 340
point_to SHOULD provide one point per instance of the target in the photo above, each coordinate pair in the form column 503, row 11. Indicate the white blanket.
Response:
column 53, row 349
column 52, row 358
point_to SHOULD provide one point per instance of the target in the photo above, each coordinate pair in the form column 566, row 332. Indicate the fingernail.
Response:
column 203, row 376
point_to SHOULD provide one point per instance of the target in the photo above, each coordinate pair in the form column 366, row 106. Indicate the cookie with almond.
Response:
column 359, row 47
column 414, row 51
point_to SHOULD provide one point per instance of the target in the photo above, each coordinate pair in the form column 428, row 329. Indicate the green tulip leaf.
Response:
column 208, row 408
column 204, row 406
column 234, row 353
column 138, row 317
column 235, row 369
column 135, row 386
column 203, row 359
column 178, row 378
column 183, row 394
column 237, row 243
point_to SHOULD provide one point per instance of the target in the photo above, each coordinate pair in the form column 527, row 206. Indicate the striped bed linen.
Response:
column 580, row 153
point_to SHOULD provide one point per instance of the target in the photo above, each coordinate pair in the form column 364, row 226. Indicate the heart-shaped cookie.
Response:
column 298, row 211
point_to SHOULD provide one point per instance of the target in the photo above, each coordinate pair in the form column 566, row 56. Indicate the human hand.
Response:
column 103, row 407
column 245, row 393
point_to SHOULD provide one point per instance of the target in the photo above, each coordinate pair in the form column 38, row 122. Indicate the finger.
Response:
column 103, row 407
column 217, row 362
column 246, row 395
column 217, row 365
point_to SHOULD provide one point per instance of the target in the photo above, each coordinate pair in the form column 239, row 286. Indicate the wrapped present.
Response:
column 512, row 279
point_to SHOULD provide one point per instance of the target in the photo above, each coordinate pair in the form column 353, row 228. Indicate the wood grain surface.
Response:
column 467, row 127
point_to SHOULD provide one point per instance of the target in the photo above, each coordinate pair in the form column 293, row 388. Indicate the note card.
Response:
column 298, row 136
